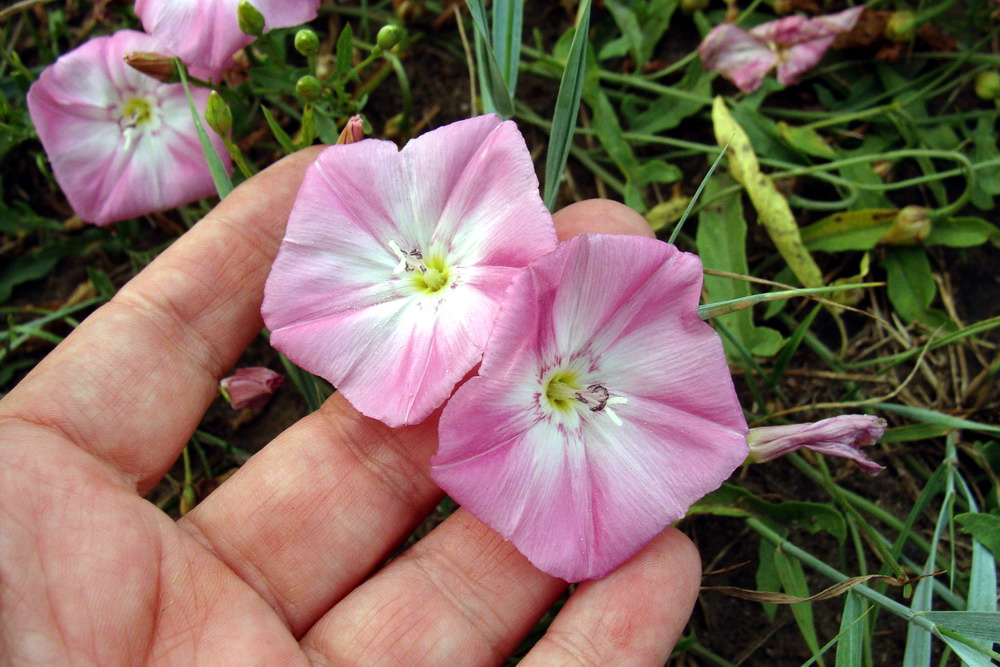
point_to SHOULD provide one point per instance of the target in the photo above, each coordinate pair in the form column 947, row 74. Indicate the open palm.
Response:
column 281, row 565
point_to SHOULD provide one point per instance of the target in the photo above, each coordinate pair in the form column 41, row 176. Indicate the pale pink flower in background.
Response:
column 602, row 410
column 250, row 387
column 842, row 436
column 121, row 143
column 394, row 262
column 793, row 44
column 205, row 33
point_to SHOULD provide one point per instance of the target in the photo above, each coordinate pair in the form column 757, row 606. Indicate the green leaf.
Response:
column 102, row 284
column 849, row 230
column 658, row 171
column 721, row 240
column 27, row 267
column 325, row 127
column 984, row 528
column 850, row 648
column 279, row 134
column 507, row 23
column 806, row 140
column 567, row 107
column 767, row 578
column 345, row 53
column 732, row 500
column 911, row 287
column 962, row 232
column 793, row 580
column 494, row 80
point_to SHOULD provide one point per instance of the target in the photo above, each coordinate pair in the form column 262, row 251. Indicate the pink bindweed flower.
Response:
column 250, row 387
column 205, row 33
column 793, row 44
column 842, row 436
column 394, row 262
column 121, row 143
column 603, row 407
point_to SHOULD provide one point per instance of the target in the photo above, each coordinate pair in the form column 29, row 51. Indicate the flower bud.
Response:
column 309, row 88
column 250, row 387
column 353, row 131
column 388, row 36
column 218, row 115
column 902, row 26
column 306, row 42
column 156, row 65
column 988, row 85
column 911, row 225
column 250, row 19
column 842, row 436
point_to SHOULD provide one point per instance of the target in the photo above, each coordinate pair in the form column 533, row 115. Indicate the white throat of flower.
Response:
column 565, row 393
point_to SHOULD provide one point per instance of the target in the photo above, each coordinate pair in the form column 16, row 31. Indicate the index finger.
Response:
column 132, row 382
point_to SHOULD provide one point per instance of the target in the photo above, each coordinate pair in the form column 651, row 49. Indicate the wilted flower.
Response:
column 394, row 262
column 793, row 44
column 602, row 410
column 205, row 33
column 250, row 387
column 842, row 436
column 121, row 143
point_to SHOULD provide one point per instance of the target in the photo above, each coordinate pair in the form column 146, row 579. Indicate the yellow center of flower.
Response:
column 561, row 390
column 434, row 276
column 137, row 112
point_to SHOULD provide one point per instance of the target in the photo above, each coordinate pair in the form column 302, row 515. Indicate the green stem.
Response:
column 831, row 573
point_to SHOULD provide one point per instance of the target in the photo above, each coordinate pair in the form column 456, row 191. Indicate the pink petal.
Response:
column 580, row 496
column 109, row 173
column 738, row 55
column 205, row 33
column 335, row 301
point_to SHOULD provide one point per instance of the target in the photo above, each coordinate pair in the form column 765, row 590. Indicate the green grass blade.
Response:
column 567, row 107
column 934, row 417
column 793, row 580
column 500, row 97
column 710, row 310
column 852, row 632
column 219, row 176
column 507, row 21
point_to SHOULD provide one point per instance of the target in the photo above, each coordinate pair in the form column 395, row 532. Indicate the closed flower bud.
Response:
column 988, row 85
column 306, row 42
column 250, row 387
column 250, row 19
column 911, row 225
column 156, row 65
column 388, row 36
column 309, row 88
column 218, row 115
column 842, row 436
column 902, row 26
column 353, row 131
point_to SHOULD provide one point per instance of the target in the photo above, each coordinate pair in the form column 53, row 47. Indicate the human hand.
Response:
column 280, row 565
